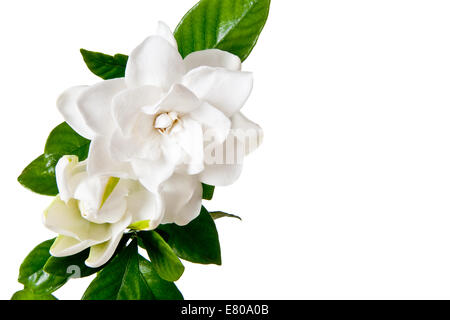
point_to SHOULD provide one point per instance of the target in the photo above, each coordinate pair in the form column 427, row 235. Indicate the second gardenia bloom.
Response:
column 94, row 211
column 166, row 115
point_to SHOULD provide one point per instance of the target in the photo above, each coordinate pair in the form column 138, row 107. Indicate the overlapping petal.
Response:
column 249, row 133
column 68, row 107
column 66, row 220
column 154, row 62
column 101, row 253
column 183, row 196
column 128, row 104
column 212, row 58
column 226, row 90
column 96, row 107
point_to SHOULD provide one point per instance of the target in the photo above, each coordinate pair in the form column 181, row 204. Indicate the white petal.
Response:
column 221, row 174
column 190, row 139
column 216, row 124
column 164, row 31
column 101, row 253
column 192, row 209
column 115, row 206
column 127, row 105
column 100, row 161
column 95, row 105
column 223, row 162
column 69, row 173
column 67, row 106
column 67, row 246
column 66, row 220
column 248, row 132
column 146, row 206
column 224, row 89
column 93, row 205
column 152, row 173
column 212, row 58
column 177, row 193
column 155, row 62
column 126, row 148
column 179, row 99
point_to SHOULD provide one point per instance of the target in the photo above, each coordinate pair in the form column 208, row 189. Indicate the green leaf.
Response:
column 63, row 140
column 164, row 260
column 161, row 289
column 230, row 25
column 32, row 275
column 127, row 277
column 105, row 66
column 39, row 175
column 220, row 214
column 197, row 242
column 208, row 191
column 27, row 294
column 121, row 279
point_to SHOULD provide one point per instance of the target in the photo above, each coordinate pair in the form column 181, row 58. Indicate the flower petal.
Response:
column 212, row 58
column 190, row 139
column 248, row 132
column 115, row 206
column 101, row 253
column 155, row 62
column 146, row 206
column 100, row 161
column 69, row 173
column 192, row 209
column 95, row 105
column 216, row 124
column 221, row 174
column 179, row 99
column 224, row 89
column 164, row 31
column 66, row 246
column 223, row 162
column 182, row 195
column 152, row 173
column 66, row 220
column 126, row 148
column 127, row 105
column 94, row 206
column 67, row 106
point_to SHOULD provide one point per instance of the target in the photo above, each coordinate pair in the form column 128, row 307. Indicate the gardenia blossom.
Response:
column 166, row 117
column 94, row 211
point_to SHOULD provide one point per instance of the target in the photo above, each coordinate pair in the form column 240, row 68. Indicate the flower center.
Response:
column 164, row 122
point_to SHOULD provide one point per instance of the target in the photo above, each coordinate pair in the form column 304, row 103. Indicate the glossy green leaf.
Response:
column 63, row 140
column 32, row 275
column 161, row 289
column 197, row 242
column 164, row 260
column 39, row 176
column 105, row 66
column 220, row 214
column 230, row 25
column 27, row 294
column 121, row 279
column 208, row 191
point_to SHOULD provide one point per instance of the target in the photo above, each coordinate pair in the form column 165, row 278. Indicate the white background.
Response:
column 348, row 197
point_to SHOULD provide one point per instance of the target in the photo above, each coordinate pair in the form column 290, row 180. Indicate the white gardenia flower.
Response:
column 167, row 115
column 95, row 211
